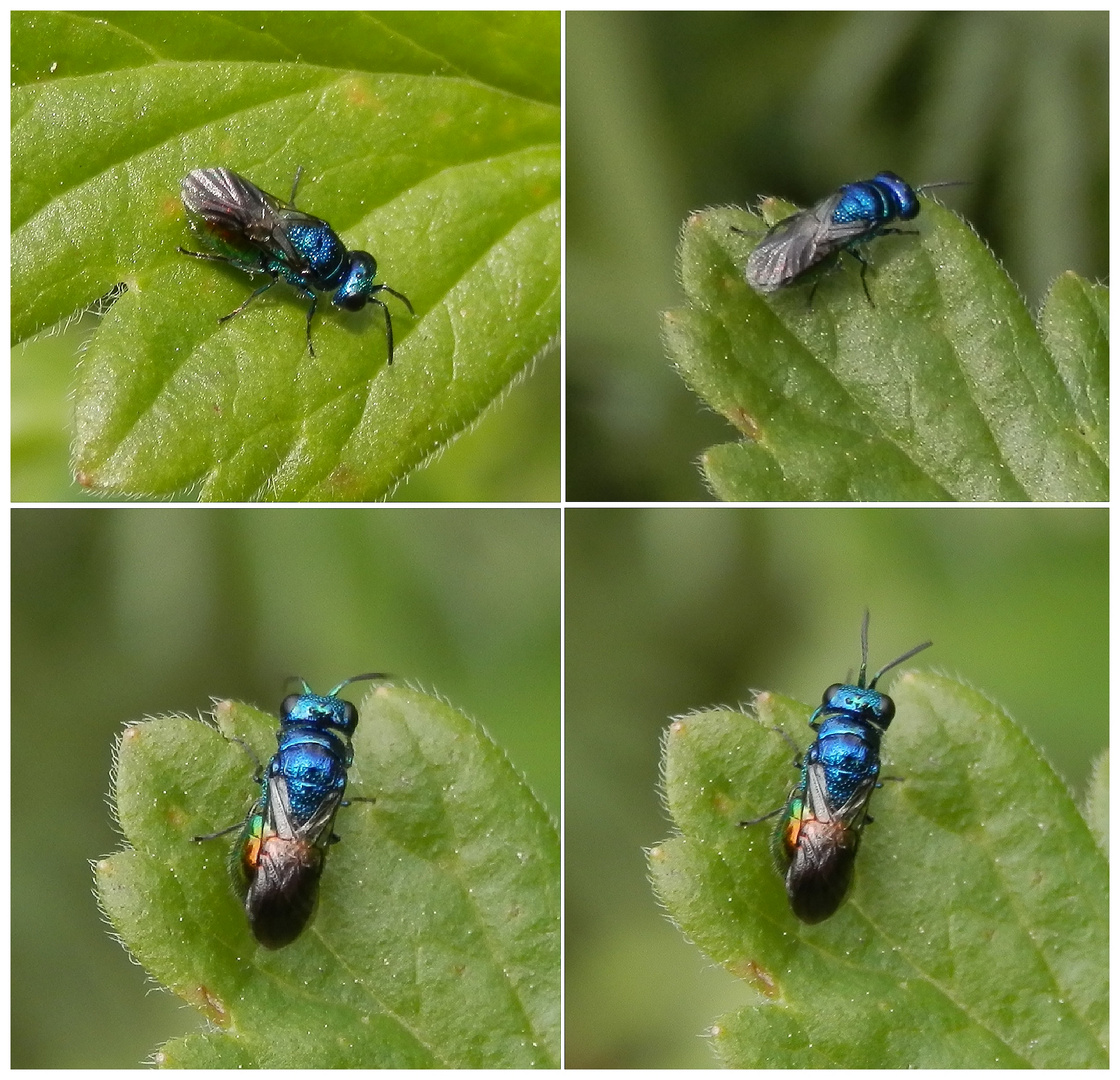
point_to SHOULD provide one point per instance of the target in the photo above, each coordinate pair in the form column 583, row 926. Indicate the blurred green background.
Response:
column 669, row 112
column 123, row 613
column 671, row 610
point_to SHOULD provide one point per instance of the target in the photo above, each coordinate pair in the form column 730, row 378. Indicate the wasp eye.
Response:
column 828, row 695
column 351, row 303
column 350, row 714
column 287, row 705
column 886, row 709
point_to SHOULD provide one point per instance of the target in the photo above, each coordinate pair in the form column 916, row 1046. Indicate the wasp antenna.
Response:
column 301, row 680
column 359, row 678
column 863, row 645
column 944, row 183
column 894, row 663
column 295, row 184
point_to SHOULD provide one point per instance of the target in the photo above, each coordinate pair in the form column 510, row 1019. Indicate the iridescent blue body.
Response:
column 823, row 819
column 260, row 234
column 849, row 217
column 280, row 854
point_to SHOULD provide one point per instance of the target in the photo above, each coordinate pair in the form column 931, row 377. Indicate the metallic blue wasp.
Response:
column 819, row 834
column 849, row 217
column 280, row 854
column 259, row 234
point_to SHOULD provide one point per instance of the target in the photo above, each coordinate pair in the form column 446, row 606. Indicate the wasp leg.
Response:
column 755, row 821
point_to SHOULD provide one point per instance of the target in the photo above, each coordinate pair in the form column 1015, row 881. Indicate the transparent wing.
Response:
column 236, row 206
column 280, row 819
column 799, row 242
column 820, row 807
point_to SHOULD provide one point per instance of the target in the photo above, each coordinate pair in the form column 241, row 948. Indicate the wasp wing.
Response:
column 821, row 870
column 821, row 806
column 284, row 884
column 238, row 208
column 798, row 243
column 280, row 819
column 823, row 861
column 281, row 896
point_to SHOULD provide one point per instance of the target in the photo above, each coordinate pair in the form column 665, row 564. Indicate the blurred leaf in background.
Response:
column 430, row 140
column 671, row 610
column 671, row 112
column 123, row 613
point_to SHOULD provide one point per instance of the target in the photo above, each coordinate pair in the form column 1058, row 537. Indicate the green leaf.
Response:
column 975, row 935
column 945, row 389
column 436, row 939
column 1096, row 802
column 432, row 141
column 1074, row 327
